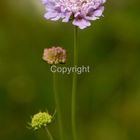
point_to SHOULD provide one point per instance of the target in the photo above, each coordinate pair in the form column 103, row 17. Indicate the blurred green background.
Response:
column 108, row 98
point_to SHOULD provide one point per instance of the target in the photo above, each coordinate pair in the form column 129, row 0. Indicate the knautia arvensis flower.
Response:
column 41, row 119
column 54, row 55
column 79, row 11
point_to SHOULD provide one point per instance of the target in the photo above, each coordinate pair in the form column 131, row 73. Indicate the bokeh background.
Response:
column 108, row 98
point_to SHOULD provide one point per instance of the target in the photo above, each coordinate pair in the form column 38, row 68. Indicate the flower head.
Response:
column 80, row 11
column 54, row 55
column 41, row 119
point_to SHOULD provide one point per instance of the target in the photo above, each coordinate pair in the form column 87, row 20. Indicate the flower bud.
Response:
column 41, row 119
column 54, row 55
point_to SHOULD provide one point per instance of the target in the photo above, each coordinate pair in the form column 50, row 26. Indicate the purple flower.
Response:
column 79, row 11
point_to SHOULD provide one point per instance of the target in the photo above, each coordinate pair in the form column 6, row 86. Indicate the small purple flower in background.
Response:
column 79, row 11
column 54, row 55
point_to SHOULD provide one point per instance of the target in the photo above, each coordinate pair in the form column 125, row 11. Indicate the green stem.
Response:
column 74, row 85
column 49, row 133
column 58, row 107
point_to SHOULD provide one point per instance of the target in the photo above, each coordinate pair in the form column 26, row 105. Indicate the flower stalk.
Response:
column 74, row 85
column 54, row 56
column 58, row 107
column 49, row 133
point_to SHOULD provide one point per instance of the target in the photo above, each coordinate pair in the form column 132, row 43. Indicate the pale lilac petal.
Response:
column 50, row 15
column 56, row 18
column 99, row 12
column 103, row 1
column 91, row 18
column 67, row 17
column 80, row 11
column 81, row 23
